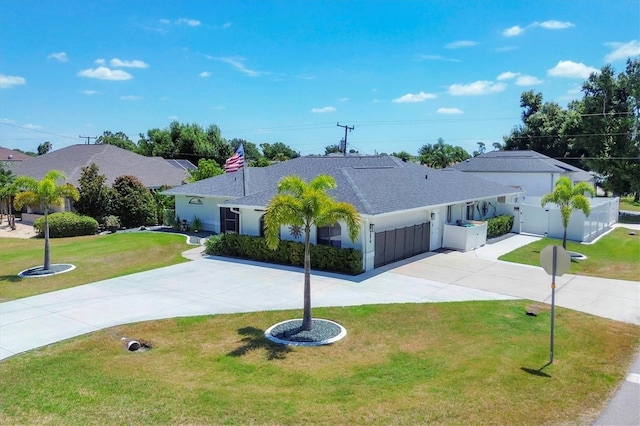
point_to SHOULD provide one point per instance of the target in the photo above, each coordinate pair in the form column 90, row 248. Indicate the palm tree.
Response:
column 306, row 205
column 8, row 190
column 569, row 198
column 45, row 192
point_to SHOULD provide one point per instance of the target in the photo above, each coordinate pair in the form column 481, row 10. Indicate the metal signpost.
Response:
column 556, row 261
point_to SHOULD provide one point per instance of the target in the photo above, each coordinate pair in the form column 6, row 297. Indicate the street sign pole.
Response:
column 553, row 300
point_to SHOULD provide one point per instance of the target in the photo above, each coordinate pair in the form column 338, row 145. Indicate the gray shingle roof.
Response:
column 373, row 184
column 514, row 162
column 112, row 162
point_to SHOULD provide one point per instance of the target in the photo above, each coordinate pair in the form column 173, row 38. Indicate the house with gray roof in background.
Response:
column 535, row 173
column 406, row 208
column 112, row 162
column 10, row 158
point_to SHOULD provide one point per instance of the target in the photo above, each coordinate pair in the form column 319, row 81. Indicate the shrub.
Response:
column 67, row 224
column 132, row 202
column 169, row 217
column 288, row 253
column 112, row 222
column 499, row 225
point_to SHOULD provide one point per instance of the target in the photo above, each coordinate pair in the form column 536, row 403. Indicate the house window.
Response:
column 470, row 211
column 449, row 213
column 229, row 221
column 262, row 226
column 330, row 235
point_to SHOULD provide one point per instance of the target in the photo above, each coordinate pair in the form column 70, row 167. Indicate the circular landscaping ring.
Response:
column 577, row 256
column 39, row 271
column 323, row 332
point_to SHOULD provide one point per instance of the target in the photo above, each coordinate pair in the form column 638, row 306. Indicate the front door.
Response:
column 229, row 221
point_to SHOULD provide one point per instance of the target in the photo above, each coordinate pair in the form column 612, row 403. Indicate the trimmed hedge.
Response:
column 499, row 225
column 325, row 258
column 67, row 224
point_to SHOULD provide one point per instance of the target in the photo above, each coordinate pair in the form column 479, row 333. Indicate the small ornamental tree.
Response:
column 45, row 193
column 94, row 194
column 132, row 202
column 306, row 205
column 569, row 198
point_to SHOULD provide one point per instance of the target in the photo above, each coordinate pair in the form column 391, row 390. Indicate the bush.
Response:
column 67, row 224
column 132, row 202
column 288, row 253
column 499, row 225
column 112, row 223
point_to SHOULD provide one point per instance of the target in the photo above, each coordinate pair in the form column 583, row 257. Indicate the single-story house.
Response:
column 112, row 161
column 406, row 208
column 535, row 173
column 10, row 158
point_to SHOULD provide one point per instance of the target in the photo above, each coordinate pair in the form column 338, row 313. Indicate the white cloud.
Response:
column 165, row 21
column 508, row 75
column 173, row 117
column 435, row 58
column 418, row 97
column 505, row 49
column 481, row 87
column 227, row 25
column 118, row 63
column 449, row 111
column 622, row 51
column 553, row 25
column 91, row 92
column 104, row 73
column 527, row 80
column 343, row 99
column 131, row 98
column 7, row 120
column 460, row 44
column 513, row 31
column 323, row 110
column 189, row 22
column 32, row 126
column 8, row 81
column 204, row 74
column 100, row 62
column 238, row 64
column 571, row 70
column 60, row 56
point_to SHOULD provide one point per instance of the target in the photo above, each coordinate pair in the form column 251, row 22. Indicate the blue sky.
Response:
column 404, row 73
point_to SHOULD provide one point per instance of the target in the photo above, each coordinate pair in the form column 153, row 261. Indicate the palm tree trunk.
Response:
column 564, row 239
column 306, row 319
column 47, row 257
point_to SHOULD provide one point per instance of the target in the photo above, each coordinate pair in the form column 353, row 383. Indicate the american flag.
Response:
column 235, row 162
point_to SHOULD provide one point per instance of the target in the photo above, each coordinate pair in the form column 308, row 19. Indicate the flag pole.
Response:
column 244, row 177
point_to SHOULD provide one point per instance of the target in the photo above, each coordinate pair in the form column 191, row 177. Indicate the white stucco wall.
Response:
column 534, row 184
column 208, row 212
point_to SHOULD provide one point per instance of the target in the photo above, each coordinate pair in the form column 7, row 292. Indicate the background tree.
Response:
column 260, row 162
column 278, row 151
column 118, row 139
column 569, row 198
column 44, row 193
column 403, row 155
column 307, row 205
column 481, row 149
column 162, row 203
column 8, row 190
column 44, row 147
column 332, row 149
column 94, row 194
column 206, row 169
column 132, row 202
column 251, row 151
column 441, row 155
column 610, row 117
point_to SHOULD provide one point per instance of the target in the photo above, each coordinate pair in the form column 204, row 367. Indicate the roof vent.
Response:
column 426, row 176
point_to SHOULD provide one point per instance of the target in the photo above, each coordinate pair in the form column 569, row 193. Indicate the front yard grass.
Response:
column 443, row 363
column 96, row 258
column 627, row 203
column 616, row 255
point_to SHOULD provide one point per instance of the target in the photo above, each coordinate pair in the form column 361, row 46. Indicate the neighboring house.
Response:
column 405, row 207
column 182, row 164
column 112, row 161
column 10, row 158
column 535, row 173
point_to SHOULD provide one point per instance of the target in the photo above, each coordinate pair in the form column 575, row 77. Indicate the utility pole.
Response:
column 343, row 143
column 87, row 138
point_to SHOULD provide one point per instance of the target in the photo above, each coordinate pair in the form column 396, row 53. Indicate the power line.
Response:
column 343, row 144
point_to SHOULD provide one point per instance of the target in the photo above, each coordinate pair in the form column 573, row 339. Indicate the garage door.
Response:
column 401, row 243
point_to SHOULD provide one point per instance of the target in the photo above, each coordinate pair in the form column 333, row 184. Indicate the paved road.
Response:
column 216, row 286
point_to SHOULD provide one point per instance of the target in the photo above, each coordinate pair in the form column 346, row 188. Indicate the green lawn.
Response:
column 444, row 363
column 96, row 258
column 616, row 255
column 627, row 203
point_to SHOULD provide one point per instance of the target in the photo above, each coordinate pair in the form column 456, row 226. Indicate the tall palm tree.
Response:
column 306, row 205
column 45, row 192
column 569, row 198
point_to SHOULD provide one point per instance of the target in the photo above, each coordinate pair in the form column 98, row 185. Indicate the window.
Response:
column 262, row 226
column 449, row 214
column 470, row 211
column 330, row 235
